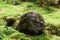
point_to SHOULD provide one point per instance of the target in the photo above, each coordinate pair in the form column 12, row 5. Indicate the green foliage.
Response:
column 9, row 1
column 54, row 1
column 41, row 37
column 2, row 35
column 7, row 33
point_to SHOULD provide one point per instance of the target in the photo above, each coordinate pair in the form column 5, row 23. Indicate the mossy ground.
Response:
column 50, row 16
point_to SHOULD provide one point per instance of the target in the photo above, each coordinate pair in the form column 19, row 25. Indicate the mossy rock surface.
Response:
column 31, row 23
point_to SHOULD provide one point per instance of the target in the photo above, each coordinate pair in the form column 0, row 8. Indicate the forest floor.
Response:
column 50, row 16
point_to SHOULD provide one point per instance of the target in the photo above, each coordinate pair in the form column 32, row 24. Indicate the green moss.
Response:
column 51, row 17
